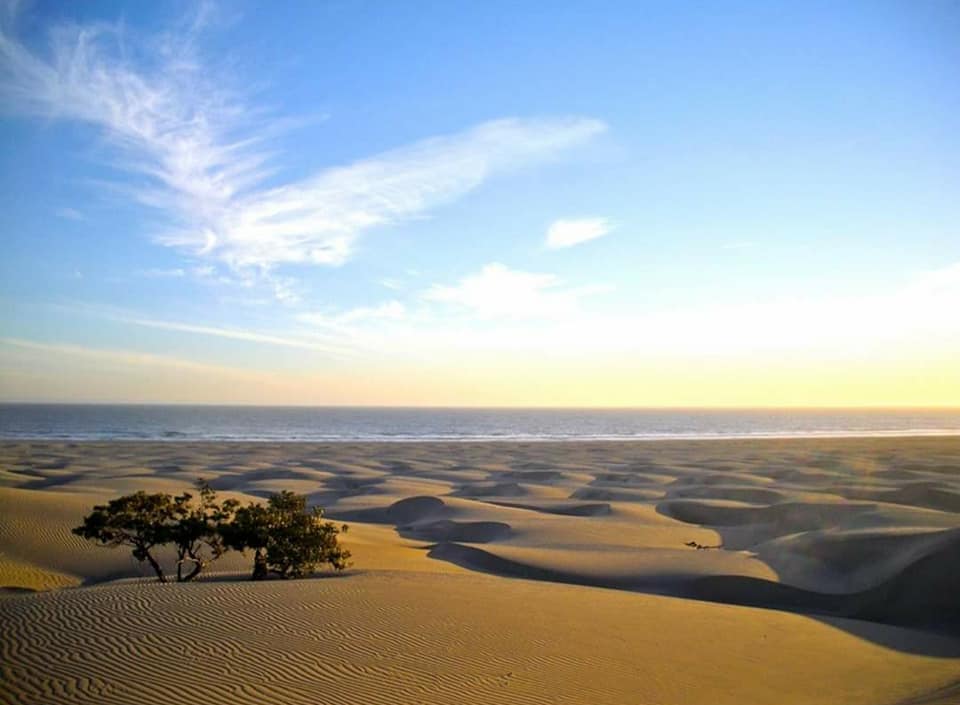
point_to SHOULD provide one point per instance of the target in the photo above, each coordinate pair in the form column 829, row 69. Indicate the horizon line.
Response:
column 532, row 407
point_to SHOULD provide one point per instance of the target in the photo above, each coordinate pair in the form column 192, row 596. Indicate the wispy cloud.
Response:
column 203, row 151
column 387, row 311
column 524, row 319
column 567, row 233
column 169, row 122
column 123, row 357
column 497, row 291
column 57, row 371
column 499, row 309
column 318, row 220
column 331, row 349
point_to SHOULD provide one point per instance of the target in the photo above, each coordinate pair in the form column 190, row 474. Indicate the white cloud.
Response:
column 497, row 291
column 391, row 310
column 285, row 289
column 387, row 311
column 204, row 155
column 282, row 289
column 567, row 233
column 317, row 220
column 533, row 314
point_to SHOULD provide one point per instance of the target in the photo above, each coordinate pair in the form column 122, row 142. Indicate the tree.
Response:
column 287, row 539
column 145, row 521
column 195, row 530
column 138, row 520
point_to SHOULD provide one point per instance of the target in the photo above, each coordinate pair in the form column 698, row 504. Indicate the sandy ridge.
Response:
column 434, row 612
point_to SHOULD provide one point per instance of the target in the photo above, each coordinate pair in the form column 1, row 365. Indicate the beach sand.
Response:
column 504, row 572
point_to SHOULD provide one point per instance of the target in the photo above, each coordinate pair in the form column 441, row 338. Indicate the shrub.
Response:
column 138, row 520
column 287, row 539
column 196, row 529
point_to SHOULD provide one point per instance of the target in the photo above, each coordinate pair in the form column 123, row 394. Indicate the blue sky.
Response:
column 460, row 203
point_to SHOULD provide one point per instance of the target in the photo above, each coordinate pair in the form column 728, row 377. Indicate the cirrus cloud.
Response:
column 497, row 291
column 166, row 116
column 567, row 233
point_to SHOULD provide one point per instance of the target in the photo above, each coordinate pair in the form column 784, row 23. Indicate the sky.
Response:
column 481, row 204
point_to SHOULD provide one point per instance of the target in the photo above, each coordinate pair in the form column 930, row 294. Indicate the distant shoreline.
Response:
column 399, row 425
column 853, row 435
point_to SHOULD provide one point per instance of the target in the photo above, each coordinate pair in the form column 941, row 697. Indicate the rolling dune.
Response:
column 427, row 638
column 852, row 546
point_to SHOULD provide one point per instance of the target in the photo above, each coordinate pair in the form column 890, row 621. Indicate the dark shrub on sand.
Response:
column 288, row 539
column 140, row 520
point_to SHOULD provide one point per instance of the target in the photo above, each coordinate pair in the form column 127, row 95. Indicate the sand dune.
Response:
column 849, row 560
column 843, row 539
column 922, row 594
column 618, row 494
column 416, row 637
column 462, row 531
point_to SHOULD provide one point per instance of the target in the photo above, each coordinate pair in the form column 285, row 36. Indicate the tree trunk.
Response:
column 259, row 565
column 197, row 567
column 156, row 566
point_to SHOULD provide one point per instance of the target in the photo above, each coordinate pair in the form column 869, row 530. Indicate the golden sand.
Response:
column 483, row 572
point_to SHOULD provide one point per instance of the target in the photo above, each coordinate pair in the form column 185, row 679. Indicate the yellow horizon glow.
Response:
column 49, row 373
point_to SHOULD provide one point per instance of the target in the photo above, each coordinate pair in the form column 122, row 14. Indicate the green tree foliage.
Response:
column 195, row 530
column 288, row 539
column 145, row 521
column 138, row 520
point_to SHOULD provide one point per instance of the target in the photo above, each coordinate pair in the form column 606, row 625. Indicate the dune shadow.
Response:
column 573, row 509
column 944, row 695
column 458, row 531
column 52, row 481
column 622, row 494
column 919, row 600
column 927, row 494
column 868, row 614
column 427, row 518
column 481, row 490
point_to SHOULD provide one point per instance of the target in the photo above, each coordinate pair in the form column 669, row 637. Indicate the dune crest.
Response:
column 481, row 568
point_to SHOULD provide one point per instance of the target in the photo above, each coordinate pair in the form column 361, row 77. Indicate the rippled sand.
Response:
column 851, row 546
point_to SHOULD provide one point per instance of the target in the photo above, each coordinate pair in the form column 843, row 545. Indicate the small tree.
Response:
column 250, row 528
column 196, row 529
column 139, row 520
column 287, row 539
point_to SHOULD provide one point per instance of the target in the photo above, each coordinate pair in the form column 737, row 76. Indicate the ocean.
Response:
column 330, row 424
